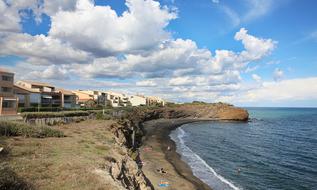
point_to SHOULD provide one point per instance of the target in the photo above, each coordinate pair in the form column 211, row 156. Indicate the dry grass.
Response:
column 61, row 163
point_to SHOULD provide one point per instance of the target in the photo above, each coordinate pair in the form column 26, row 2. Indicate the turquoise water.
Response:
column 277, row 149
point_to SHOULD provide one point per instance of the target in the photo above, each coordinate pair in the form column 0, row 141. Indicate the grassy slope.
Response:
column 62, row 163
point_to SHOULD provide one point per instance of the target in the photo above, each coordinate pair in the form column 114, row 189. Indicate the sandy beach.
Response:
column 155, row 155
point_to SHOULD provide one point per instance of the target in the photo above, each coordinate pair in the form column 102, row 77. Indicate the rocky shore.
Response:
column 133, row 133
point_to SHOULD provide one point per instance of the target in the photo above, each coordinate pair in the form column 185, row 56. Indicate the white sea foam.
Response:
column 199, row 167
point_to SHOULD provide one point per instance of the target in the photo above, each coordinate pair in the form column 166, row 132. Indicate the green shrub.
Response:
column 54, row 109
column 44, row 131
column 101, row 116
column 32, row 115
column 40, row 109
column 10, row 180
column 10, row 128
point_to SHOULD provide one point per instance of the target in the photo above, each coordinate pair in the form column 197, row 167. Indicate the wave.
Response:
column 199, row 167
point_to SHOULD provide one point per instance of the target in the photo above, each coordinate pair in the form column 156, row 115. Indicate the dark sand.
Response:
column 155, row 155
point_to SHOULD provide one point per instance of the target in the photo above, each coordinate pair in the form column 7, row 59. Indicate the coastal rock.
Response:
column 126, row 171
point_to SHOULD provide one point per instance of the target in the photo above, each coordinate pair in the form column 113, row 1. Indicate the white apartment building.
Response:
column 117, row 99
column 137, row 100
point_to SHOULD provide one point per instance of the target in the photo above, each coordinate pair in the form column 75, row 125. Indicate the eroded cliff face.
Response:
column 128, row 132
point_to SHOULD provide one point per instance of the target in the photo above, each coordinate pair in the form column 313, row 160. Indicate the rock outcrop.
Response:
column 127, row 172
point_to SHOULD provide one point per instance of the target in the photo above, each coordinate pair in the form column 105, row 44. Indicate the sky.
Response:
column 244, row 52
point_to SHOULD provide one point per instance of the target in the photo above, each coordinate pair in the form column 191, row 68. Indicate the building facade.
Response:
column 154, row 101
column 8, row 100
column 137, row 100
column 116, row 99
column 37, row 94
column 84, row 96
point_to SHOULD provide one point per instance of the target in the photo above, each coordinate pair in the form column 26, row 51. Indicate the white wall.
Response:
column 137, row 100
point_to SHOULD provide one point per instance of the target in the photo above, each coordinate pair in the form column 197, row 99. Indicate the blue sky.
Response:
column 281, row 36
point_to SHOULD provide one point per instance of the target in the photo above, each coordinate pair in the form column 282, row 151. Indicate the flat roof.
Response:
column 38, row 83
column 2, row 70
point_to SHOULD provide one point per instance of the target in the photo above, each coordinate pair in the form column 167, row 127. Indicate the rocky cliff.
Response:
column 128, row 132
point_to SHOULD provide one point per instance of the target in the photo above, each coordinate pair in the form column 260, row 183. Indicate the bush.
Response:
column 101, row 116
column 31, row 115
column 54, row 109
column 41, row 109
column 9, row 128
column 10, row 180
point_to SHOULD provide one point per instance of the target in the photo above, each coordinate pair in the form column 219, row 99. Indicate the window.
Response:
column 6, row 89
column 7, row 78
column 8, row 104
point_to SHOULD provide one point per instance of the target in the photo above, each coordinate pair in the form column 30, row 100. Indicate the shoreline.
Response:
column 155, row 155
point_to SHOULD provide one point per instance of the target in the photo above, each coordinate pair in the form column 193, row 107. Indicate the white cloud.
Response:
column 273, row 62
column 257, row 8
column 232, row 15
column 256, row 77
column 278, row 74
column 9, row 19
column 256, row 48
column 215, row 1
column 310, row 37
column 254, row 9
column 278, row 92
column 175, row 58
column 98, row 29
column 146, row 83
column 52, row 72
column 251, row 69
column 41, row 49
column 52, row 7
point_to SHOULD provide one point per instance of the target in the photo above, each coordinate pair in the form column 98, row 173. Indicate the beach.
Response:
column 155, row 155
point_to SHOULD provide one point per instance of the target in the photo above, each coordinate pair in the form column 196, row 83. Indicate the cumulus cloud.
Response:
column 52, row 7
column 41, row 49
column 255, row 49
column 9, row 19
column 175, row 58
column 52, row 72
column 98, row 29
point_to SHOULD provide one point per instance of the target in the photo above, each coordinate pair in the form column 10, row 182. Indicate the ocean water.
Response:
column 277, row 149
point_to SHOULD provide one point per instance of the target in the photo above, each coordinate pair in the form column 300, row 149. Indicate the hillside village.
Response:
column 33, row 95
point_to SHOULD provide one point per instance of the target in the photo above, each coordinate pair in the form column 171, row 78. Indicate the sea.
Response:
column 276, row 149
